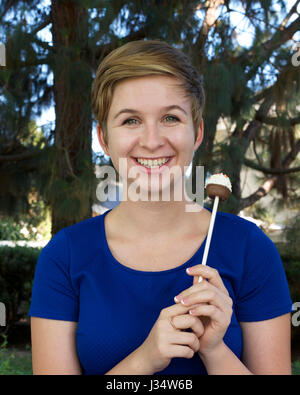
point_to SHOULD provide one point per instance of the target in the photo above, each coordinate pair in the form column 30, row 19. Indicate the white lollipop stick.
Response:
column 209, row 234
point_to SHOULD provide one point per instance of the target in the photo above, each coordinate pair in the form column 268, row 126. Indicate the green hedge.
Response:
column 291, row 262
column 17, row 265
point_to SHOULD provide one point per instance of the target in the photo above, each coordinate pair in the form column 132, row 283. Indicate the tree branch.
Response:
column 254, row 126
column 278, row 121
column 281, row 36
column 41, row 26
column 9, row 4
column 269, row 184
column 266, row 170
column 105, row 49
column 291, row 12
column 19, row 157
column 209, row 21
column 262, row 191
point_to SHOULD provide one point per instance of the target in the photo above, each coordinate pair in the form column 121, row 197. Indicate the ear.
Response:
column 101, row 139
column 200, row 133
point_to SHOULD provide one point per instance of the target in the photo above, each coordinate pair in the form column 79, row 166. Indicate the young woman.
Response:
column 112, row 294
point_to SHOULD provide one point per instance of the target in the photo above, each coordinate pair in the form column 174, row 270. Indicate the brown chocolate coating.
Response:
column 214, row 190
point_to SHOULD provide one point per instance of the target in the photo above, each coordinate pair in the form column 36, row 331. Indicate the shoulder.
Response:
column 232, row 224
column 255, row 235
column 85, row 228
column 235, row 221
column 244, row 238
column 242, row 235
column 76, row 238
column 74, row 247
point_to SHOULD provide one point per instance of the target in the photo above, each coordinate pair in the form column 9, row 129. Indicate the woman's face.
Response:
column 150, row 119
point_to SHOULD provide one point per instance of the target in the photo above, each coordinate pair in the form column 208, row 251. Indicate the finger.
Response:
column 194, row 288
column 175, row 309
column 204, row 296
column 207, row 293
column 211, row 274
column 208, row 297
column 178, row 351
column 185, row 338
column 199, row 287
column 211, row 311
column 187, row 321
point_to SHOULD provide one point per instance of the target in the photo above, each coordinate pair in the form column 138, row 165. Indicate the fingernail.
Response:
column 188, row 270
column 176, row 299
column 192, row 311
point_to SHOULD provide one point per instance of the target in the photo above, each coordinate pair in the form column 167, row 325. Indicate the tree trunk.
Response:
column 72, row 171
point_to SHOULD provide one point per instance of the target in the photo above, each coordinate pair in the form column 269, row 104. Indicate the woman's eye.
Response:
column 171, row 118
column 133, row 121
column 129, row 121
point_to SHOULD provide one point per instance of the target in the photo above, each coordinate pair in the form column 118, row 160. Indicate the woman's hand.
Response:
column 211, row 303
column 168, row 339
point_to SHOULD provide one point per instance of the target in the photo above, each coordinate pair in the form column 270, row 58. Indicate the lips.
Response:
column 157, row 168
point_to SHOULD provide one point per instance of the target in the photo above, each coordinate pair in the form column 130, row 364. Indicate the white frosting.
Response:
column 219, row 179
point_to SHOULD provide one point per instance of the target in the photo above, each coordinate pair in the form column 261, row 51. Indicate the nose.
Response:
column 151, row 137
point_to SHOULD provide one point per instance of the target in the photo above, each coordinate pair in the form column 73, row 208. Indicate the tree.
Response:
column 72, row 171
column 254, row 88
column 238, row 88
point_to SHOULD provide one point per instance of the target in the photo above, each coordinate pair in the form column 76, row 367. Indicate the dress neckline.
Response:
column 196, row 258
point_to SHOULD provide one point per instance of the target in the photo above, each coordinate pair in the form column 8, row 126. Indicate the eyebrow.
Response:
column 132, row 111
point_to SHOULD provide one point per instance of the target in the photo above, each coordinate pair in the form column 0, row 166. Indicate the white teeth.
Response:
column 152, row 163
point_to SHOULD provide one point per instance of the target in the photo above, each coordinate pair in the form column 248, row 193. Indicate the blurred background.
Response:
column 249, row 55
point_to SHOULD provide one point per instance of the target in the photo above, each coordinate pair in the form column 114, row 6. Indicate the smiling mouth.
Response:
column 154, row 163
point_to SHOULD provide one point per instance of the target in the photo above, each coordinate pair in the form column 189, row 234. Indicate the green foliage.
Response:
column 293, row 236
column 17, row 265
column 35, row 225
column 296, row 368
column 10, row 230
column 292, row 269
column 290, row 255
column 15, row 362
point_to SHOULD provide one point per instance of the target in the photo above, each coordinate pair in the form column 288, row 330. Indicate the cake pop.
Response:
column 218, row 186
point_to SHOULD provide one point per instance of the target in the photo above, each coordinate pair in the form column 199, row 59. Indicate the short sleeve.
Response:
column 263, row 292
column 53, row 296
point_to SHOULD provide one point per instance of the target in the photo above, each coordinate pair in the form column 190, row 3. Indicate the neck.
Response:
column 166, row 218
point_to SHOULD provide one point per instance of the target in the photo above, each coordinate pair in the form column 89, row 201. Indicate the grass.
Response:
column 296, row 368
column 16, row 362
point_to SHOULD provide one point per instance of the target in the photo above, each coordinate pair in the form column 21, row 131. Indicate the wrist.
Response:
column 134, row 364
column 213, row 354
column 139, row 363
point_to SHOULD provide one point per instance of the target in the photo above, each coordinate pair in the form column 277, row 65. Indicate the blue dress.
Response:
column 78, row 279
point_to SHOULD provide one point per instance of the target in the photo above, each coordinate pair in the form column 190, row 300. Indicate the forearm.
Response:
column 134, row 363
column 224, row 362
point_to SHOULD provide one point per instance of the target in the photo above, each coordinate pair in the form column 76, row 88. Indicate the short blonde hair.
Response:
column 140, row 59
